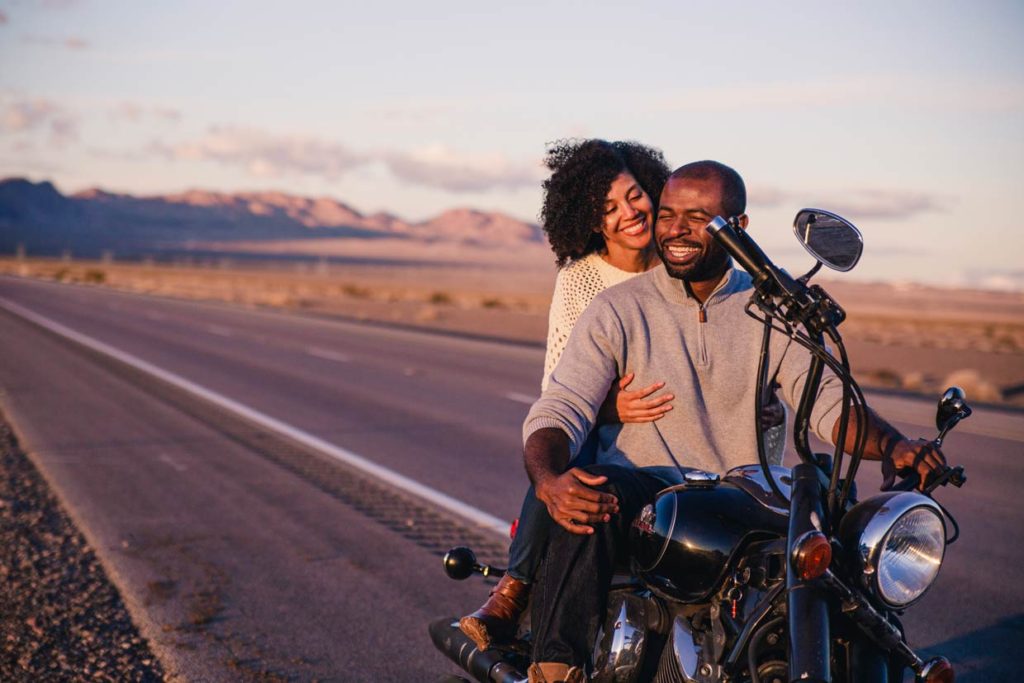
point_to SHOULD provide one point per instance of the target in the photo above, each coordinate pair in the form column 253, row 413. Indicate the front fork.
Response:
column 809, row 636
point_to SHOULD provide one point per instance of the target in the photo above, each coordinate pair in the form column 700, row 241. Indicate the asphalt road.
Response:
column 242, row 554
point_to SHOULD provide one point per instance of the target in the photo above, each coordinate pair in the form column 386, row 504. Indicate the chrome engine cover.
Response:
column 619, row 650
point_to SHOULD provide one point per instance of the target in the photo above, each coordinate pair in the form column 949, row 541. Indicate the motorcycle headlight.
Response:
column 897, row 542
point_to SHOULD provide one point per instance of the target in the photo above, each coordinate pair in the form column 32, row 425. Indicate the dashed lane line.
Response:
column 474, row 516
column 327, row 354
column 219, row 330
column 521, row 398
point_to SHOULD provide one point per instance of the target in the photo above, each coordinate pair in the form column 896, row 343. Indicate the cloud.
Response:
column 263, row 154
column 859, row 203
column 70, row 42
column 135, row 113
column 267, row 154
column 447, row 170
column 27, row 115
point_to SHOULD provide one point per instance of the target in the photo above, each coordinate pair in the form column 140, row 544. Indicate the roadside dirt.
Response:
column 61, row 619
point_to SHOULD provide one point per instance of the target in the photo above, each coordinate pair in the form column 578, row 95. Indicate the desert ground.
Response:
column 902, row 337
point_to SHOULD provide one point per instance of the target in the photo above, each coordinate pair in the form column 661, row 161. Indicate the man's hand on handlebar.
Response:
column 573, row 504
column 918, row 456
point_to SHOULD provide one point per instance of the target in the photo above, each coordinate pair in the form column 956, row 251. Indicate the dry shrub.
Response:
column 355, row 291
column 440, row 298
column 974, row 385
column 493, row 303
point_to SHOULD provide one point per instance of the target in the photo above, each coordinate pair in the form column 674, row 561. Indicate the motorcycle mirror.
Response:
column 831, row 239
column 952, row 408
column 459, row 563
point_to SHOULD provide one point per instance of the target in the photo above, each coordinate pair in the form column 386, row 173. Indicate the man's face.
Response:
column 688, row 251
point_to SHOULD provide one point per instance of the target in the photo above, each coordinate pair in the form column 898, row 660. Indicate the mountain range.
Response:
column 39, row 218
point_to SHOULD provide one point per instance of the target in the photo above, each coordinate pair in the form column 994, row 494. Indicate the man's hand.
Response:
column 917, row 455
column 573, row 504
column 634, row 406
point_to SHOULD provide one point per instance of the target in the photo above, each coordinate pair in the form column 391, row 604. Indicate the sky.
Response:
column 905, row 116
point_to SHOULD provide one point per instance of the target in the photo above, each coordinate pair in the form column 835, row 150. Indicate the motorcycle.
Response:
column 768, row 574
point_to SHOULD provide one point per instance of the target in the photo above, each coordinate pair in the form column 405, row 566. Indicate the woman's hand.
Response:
column 634, row 406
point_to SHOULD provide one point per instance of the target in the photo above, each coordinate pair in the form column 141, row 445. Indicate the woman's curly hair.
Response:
column 582, row 171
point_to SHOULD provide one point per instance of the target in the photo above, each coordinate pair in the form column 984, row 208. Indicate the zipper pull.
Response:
column 702, row 315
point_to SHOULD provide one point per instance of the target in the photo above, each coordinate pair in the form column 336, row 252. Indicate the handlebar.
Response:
column 947, row 475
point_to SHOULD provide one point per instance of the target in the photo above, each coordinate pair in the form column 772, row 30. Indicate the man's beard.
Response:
column 711, row 264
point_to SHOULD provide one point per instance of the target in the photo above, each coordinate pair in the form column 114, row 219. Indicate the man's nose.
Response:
column 678, row 226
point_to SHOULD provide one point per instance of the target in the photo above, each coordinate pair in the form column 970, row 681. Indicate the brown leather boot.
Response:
column 554, row 672
column 496, row 620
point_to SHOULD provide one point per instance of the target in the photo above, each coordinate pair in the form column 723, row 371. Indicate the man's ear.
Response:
column 743, row 220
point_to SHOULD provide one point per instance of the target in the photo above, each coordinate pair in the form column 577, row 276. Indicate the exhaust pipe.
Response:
column 487, row 666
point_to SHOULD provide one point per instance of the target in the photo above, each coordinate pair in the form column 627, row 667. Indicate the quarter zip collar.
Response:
column 675, row 290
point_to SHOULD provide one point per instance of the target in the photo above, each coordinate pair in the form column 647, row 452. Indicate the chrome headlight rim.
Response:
column 876, row 534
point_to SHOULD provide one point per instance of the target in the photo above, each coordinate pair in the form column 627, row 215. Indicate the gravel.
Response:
column 60, row 617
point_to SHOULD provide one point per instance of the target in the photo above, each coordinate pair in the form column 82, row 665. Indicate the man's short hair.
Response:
column 734, row 192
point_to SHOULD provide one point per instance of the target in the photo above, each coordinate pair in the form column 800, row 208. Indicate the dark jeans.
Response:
column 527, row 549
column 531, row 540
column 572, row 587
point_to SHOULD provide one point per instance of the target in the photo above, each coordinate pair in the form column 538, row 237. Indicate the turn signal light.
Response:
column 937, row 670
column 812, row 555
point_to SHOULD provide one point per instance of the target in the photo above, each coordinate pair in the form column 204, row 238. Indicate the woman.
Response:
column 598, row 214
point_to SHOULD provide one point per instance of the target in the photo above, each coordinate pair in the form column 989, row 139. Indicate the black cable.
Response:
column 842, row 372
column 956, row 527
column 755, row 642
column 762, row 376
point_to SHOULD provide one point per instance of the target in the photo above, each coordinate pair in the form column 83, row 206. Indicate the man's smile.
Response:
column 681, row 252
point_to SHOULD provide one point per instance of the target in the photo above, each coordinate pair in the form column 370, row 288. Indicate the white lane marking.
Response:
column 471, row 514
column 219, row 331
column 521, row 398
column 329, row 355
column 168, row 460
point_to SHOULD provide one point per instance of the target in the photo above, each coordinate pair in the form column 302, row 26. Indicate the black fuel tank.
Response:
column 685, row 541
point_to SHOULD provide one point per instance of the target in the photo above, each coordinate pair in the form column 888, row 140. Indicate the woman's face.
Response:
column 628, row 215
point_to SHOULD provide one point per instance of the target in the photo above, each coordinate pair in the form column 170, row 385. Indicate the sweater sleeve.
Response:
column 567, row 303
column 580, row 383
column 792, row 376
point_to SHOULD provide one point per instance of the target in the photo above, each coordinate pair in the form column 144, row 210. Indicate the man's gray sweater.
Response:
column 708, row 359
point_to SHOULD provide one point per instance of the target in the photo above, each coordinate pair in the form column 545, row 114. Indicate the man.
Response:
column 683, row 324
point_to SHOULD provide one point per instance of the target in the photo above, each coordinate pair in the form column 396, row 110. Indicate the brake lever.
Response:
column 948, row 475
column 951, row 475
